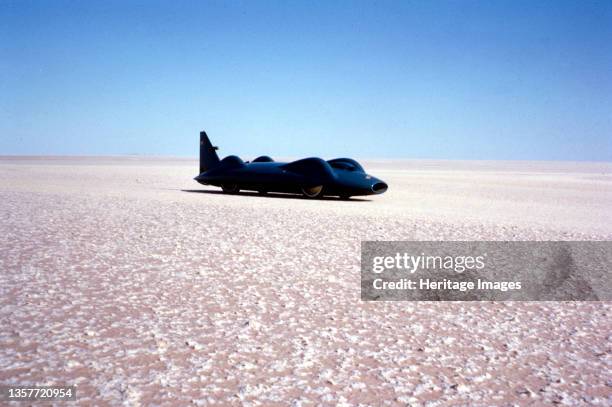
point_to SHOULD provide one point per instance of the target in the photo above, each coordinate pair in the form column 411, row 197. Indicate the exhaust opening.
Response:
column 379, row 187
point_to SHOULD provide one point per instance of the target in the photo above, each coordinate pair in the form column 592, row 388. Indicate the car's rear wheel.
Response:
column 230, row 188
column 313, row 192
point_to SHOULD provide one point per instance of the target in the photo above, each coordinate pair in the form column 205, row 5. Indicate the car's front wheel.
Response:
column 313, row 192
column 230, row 188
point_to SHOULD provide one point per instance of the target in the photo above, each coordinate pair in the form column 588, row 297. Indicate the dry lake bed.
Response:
column 125, row 277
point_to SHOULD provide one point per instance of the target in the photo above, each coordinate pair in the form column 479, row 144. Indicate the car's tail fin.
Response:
column 208, row 155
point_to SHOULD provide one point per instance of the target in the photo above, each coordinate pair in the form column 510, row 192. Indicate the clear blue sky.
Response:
column 415, row 79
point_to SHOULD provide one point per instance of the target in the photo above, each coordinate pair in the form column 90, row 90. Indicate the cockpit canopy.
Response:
column 347, row 164
column 263, row 159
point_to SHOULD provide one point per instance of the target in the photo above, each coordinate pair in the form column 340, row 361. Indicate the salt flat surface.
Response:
column 126, row 277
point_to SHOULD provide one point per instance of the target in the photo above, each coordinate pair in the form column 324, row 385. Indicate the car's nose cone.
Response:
column 378, row 187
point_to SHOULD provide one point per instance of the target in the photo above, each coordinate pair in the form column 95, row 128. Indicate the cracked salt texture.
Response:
column 114, row 279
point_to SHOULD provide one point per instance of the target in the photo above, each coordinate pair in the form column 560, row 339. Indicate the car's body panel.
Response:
column 339, row 177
